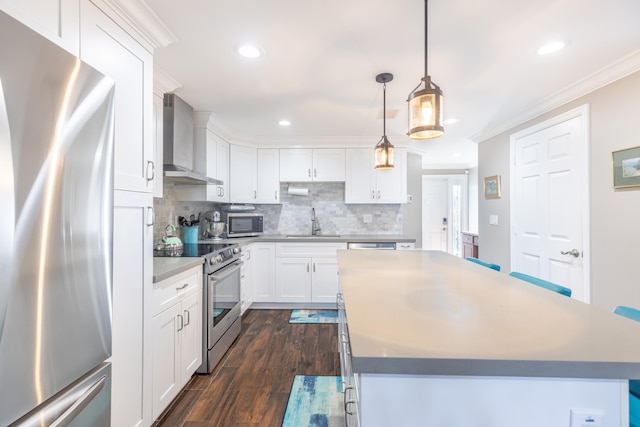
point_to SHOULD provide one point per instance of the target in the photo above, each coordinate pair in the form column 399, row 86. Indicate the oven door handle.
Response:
column 226, row 272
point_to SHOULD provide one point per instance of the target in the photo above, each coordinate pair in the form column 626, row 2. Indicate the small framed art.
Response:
column 492, row 187
column 626, row 167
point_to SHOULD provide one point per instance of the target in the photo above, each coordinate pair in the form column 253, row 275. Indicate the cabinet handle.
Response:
column 307, row 267
column 255, row 194
column 151, row 170
column 378, row 194
column 181, row 322
column 373, row 194
column 182, row 287
column 151, row 216
column 314, row 267
column 315, row 172
column 188, row 316
column 309, row 172
column 276, row 195
column 348, row 402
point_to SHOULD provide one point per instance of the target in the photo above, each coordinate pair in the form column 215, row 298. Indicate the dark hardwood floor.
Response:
column 251, row 385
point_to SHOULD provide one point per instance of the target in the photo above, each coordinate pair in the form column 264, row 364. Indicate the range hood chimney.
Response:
column 178, row 144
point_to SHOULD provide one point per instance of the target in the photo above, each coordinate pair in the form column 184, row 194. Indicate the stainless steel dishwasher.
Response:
column 388, row 246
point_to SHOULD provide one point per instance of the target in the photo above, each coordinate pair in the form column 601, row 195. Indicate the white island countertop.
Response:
column 430, row 313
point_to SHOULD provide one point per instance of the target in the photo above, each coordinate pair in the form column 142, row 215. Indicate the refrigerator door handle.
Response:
column 82, row 402
column 7, row 200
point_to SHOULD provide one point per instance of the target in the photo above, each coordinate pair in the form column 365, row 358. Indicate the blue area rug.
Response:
column 315, row 401
column 314, row 316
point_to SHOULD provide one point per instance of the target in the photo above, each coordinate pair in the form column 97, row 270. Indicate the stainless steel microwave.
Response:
column 244, row 224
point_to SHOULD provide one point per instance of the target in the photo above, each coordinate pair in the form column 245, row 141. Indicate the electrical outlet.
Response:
column 493, row 219
column 368, row 218
column 587, row 418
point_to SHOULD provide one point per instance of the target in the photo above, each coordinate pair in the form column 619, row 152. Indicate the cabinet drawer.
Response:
column 475, row 240
column 306, row 250
column 468, row 238
column 168, row 291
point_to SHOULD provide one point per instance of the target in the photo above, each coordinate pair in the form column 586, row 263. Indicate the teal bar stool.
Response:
column 495, row 267
column 542, row 283
column 634, row 385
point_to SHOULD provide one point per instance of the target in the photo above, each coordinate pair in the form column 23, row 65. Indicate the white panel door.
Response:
column 434, row 214
column 548, row 205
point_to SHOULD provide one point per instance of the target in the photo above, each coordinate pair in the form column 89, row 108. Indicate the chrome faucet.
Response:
column 315, row 225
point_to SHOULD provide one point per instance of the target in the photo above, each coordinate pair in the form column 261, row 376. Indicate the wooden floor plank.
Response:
column 250, row 386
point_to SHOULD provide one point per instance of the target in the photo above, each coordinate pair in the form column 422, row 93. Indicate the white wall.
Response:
column 614, row 214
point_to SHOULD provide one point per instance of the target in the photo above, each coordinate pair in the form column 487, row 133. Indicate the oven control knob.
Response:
column 219, row 258
column 212, row 261
column 237, row 250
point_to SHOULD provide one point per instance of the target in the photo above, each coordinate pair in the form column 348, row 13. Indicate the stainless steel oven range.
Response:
column 221, row 301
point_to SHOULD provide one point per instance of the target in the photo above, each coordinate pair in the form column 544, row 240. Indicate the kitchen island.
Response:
column 437, row 340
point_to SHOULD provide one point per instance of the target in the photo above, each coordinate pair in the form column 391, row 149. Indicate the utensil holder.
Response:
column 190, row 234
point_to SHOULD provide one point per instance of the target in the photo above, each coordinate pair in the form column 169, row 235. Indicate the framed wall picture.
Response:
column 492, row 187
column 626, row 167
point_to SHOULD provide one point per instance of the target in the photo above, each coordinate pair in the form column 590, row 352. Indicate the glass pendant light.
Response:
column 426, row 105
column 384, row 149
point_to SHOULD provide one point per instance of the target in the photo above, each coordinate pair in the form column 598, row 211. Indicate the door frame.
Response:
column 464, row 209
column 579, row 112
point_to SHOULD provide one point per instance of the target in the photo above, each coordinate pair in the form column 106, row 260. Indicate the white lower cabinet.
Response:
column 307, row 272
column 246, row 282
column 263, row 272
column 350, row 380
column 176, row 335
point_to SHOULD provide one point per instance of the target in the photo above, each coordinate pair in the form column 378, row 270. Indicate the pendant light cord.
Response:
column 384, row 110
column 426, row 38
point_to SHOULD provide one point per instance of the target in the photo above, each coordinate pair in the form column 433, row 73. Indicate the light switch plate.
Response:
column 493, row 219
column 368, row 219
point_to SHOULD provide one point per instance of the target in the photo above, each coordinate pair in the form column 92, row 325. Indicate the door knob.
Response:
column 573, row 252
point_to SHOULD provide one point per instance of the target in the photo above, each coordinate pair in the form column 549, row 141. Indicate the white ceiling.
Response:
column 321, row 59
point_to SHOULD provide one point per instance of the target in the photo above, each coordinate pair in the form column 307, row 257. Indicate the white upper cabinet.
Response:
column 58, row 21
column 317, row 164
column 111, row 50
column 365, row 184
column 268, row 175
column 243, row 174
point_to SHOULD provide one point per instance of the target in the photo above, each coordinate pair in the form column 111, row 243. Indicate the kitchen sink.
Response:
column 311, row 236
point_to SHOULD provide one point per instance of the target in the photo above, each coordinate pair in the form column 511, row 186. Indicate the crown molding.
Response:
column 627, row 65
column 163, row 82
column 143, row 20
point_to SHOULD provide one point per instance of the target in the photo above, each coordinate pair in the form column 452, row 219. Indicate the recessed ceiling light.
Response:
column 450, row 121
column 551, row 47
column 249, row 50
column 284, row 123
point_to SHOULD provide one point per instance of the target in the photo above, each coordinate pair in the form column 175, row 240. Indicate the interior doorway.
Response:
column 444, row 212
column 550, row 203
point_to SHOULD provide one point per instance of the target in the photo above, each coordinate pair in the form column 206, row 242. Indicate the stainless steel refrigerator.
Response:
column 56, row 223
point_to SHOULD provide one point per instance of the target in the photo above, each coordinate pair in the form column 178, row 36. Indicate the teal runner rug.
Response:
column 315, row 401
column 314, row 316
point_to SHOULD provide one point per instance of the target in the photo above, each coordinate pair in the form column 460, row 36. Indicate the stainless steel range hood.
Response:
column 178, row 144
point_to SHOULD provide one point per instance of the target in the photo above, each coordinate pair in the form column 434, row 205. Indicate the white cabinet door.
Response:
column 246, row 282
column 325, row 280
column 110, row 49
column 190, row 335
column 391, row 185
column 365, row 184
column 165, row 355
column 268, row 175
column 158, row 149
column 293, row 279
column 132, row 277
column 329, row 164
column 222, row 171
column 263, row 264
column 296, row 164
column 359, row 186
column 58, row 21
column 243, row 172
